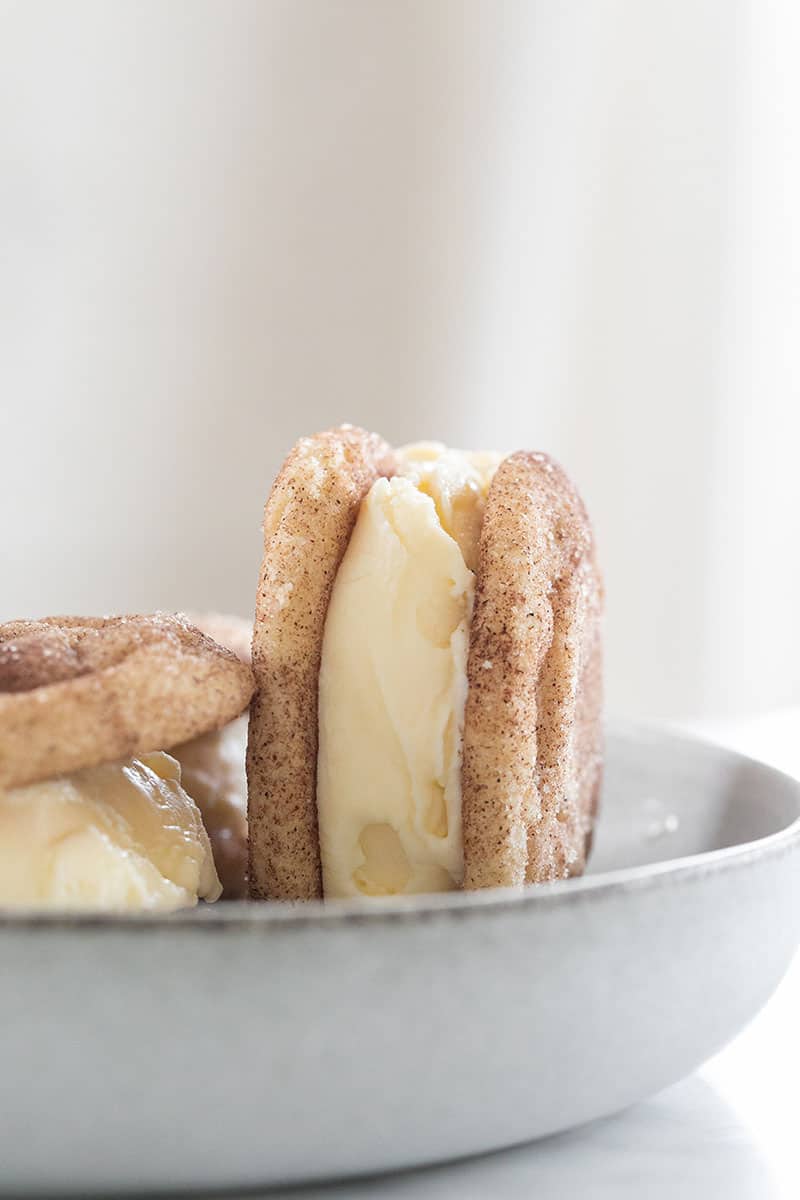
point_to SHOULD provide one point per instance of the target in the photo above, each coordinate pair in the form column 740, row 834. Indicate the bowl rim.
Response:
column 245, row 914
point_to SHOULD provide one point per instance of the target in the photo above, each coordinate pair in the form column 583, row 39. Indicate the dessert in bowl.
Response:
column 426, row 701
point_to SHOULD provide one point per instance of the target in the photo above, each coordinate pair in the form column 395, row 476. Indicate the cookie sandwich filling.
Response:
column 119, row 837
column 393, row 679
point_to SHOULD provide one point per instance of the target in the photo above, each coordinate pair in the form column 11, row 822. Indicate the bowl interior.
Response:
column 667, row 796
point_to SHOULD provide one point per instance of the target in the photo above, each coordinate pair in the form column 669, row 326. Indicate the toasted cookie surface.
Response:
column 532, row 754
column 79, row 691
column 308, row 519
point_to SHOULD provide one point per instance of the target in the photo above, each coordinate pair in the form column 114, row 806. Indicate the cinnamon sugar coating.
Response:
column 532, row 758
column 80, row 691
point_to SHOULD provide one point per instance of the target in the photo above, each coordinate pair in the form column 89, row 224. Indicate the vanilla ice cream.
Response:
column 393, row 679
column 124, row 836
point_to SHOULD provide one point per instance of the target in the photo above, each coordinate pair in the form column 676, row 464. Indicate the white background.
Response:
column 566, row 226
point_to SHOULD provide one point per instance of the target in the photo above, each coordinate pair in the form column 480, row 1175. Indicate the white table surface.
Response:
column 730, row 1131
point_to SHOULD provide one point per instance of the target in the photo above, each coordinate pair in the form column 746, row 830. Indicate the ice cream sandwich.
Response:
column 427, row 656
column 93, row 816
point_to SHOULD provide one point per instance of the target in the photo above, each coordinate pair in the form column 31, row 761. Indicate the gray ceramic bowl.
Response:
column 246, row 1045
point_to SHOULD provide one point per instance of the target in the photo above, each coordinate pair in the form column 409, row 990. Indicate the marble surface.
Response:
column 728, row 1131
